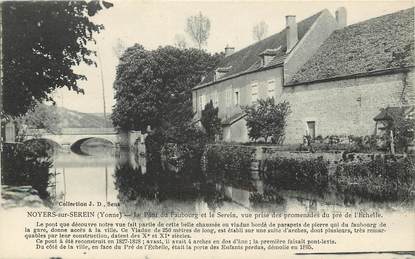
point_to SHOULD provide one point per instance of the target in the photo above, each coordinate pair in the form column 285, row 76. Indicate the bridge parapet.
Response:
column 74, row 131
column 69, row 136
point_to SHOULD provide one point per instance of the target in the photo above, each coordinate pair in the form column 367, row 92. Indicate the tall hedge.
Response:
column 382, row 179
column 292, row 174
column 229, row 164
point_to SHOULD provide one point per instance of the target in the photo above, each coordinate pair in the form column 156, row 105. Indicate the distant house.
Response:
column 335, row 77
column 8, row 132
column 392, row 114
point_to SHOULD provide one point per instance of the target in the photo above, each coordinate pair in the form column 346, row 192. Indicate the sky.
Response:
column 155, row 23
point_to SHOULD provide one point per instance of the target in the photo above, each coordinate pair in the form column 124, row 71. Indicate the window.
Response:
column 271, row 88
column 236, row 97
column 228, row 97
column 254, row 92
column 311, row 129
column 202, row 102
column 267, row 59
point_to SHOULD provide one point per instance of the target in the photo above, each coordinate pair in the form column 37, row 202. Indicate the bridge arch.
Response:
column 76, row 146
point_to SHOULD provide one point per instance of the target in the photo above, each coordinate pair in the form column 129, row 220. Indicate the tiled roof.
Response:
column 390, row 113
column 381, row 43
column 247, row 59
column 234, row 118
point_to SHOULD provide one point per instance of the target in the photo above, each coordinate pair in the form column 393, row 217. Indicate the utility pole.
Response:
column 102, row 84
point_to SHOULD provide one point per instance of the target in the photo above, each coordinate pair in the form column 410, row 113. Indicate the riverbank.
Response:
column 20, row 196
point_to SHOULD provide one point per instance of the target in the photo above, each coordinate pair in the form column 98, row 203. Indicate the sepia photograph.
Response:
column 290, row 121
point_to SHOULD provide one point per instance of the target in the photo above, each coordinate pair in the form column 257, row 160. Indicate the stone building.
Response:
column 336, row 78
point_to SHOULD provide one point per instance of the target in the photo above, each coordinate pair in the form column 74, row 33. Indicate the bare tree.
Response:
column 198, row 28
column 180, row 41
column 260, row 31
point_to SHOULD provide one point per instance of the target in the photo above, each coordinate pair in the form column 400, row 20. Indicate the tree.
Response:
column 210, row 121
column 399, row 131
column 180, row 41
column 154, row 87
column 267, row 120
column 42, row 41
column 260, row 31
column 198, row 28
column 42, row 116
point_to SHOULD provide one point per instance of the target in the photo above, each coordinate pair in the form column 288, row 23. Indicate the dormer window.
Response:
column 221, row 71
column 267, row 55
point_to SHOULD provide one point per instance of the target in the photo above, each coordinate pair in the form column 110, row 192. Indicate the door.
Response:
column 311, row 125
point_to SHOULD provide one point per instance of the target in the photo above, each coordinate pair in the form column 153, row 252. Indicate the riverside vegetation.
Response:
column 381, row 179
column 27, row 165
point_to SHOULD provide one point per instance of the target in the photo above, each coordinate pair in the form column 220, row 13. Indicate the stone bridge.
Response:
column 76, row 136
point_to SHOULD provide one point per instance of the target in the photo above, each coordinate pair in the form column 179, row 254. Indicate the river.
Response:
column 80, row 177
column 105, row 174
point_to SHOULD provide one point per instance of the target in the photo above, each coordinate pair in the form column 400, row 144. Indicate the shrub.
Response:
column 267, row 199
column 403, row 132
column 153, row 144
column 229, row 164
column 319, row 139
column 186, row 141
column 362, row 144
column 267, row 120
column 211, row 122
column 26, row 165
column 291, row 174
column 382, row 179
column 132, row 185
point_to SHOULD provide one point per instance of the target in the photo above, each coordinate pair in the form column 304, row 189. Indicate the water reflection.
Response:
column 163, row 191
column 119, row 175
column 85, row 178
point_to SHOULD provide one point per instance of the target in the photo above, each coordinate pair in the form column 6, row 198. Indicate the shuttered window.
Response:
column 228, row 97
column 237, row 97
column 254, row 93
column 202, row 102
column 271, row 88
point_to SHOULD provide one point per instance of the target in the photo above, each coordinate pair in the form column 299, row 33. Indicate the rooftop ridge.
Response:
column 362, row 48
column 375, row 18
column 245, row 58
column 273, row 35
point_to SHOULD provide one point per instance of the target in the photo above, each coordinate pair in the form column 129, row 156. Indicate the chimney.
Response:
column 341, row 17
column 291, row 32
column 229, row 50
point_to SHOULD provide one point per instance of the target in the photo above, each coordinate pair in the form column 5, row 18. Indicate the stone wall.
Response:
column 341, row 107
column 127, row 139
column 409, row 91
column 237, row 132
column 338, row 107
